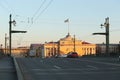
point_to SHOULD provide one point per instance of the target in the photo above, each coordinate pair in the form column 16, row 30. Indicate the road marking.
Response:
column 92, row 67
column 41, row 61
column 86, row 69
column 57, row 67
column 106, row 63
column 3, row 67
column 75, row 73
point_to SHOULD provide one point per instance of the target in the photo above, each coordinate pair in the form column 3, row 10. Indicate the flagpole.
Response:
column 67, row 21
column 68, row 26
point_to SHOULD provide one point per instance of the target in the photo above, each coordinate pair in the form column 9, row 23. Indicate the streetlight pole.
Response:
column 12, row 31
column 106, row 25
column 106, row 33
column 10, row 28
column 5, row 42
column 74, row 44
column 53, row 48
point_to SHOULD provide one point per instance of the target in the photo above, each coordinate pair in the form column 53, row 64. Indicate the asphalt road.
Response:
column 70, row 68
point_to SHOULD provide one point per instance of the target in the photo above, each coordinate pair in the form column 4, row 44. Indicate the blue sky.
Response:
column 85, row 17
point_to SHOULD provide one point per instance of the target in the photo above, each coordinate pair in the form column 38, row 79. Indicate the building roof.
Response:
column 35, row 46
column 68, row 37
column 109, row 44
column 85, row 42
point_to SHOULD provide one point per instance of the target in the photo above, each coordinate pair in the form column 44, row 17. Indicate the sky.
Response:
column 44, row 20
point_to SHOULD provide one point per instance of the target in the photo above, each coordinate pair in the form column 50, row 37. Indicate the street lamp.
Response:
column 1, row 48
column 106, row 25
column 12, row 31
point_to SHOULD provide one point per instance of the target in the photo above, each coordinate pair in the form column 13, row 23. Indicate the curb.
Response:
column 18, row 70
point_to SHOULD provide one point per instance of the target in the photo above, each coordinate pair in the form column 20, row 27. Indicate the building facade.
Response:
column 114, row 49
column 34, row 50
column 20, row 51
column 66, row 45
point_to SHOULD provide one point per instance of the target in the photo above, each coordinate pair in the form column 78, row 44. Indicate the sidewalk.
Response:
column 7, row 69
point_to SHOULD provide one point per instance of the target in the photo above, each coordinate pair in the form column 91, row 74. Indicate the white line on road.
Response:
column 106, row 63
column 57, row 67
column 41, row 61
column 92, row 67
column 82, row 69
column 76, row 73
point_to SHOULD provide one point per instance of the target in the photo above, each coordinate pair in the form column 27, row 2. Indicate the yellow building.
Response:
column 20, row 51
column 66, row 45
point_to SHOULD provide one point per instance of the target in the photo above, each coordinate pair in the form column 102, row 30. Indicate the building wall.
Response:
column 34, row 50
column 50, row 49
column 89, row 49
column 16, row 51
column 113, row 49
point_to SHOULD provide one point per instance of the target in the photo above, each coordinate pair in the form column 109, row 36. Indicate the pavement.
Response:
column 60, row 68
column 70, row 68
column 7, row 68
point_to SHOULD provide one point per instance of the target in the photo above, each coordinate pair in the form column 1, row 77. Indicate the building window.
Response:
column 90, row 50
column 67, row 49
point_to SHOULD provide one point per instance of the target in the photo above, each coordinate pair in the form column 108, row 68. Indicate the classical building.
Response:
column 65, row 45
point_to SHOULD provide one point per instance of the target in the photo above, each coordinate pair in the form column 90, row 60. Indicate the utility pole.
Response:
column 5, row 43
column 74, row 44
column 53, row 48
column 12, row 31
column 6, row 48
column 119, row 47
column 106, row 25
column 10, row 27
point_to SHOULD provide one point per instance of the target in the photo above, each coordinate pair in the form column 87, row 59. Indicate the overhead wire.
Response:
column 43, row 10
column 114, row 30
column 39, row 8
column 30, row 21
column 10, row 8
column 34, row 18
column 38, row 13
column 4, row 8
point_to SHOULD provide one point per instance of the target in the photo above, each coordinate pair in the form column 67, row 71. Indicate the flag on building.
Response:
column 67, row 20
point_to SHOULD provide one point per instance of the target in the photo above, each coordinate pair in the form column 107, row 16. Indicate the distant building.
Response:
column 114, row 49
column 49, row 49
column 34, row 50
column 69, row 44
column 19, row 51
column 65, row 45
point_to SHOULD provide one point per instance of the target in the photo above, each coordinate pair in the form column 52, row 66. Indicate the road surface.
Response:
column 70, row 68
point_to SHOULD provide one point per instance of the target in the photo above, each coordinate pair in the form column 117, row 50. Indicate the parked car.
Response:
column 72, row 55
column 61, row 56
column 32, row 53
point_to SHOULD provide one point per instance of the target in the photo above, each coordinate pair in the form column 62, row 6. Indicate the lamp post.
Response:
column 74, row 44
column 1, row 48
column 12, row 31
column 106, row 25
column 119, row 51
column 10, row 27
column 6, row 43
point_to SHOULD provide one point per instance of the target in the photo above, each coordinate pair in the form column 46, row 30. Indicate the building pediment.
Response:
column 67, row 38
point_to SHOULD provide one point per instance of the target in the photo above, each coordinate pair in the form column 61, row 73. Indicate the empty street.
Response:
column 69, row 68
